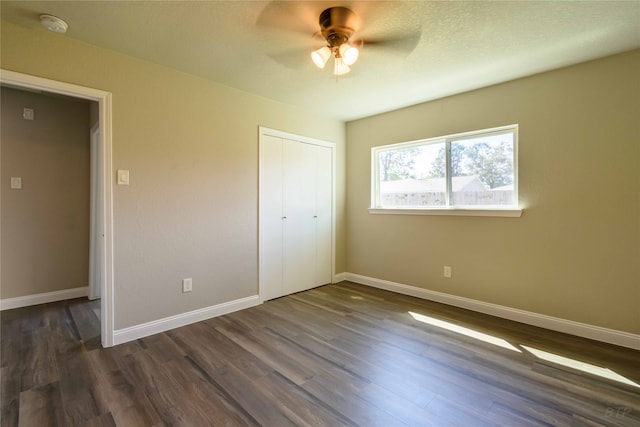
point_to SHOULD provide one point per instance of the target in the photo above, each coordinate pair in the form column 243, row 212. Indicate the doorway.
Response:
column 102, row 249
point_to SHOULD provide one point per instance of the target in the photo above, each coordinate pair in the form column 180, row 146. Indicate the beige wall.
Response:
column 45, row 225
column 575, row 252
column 191, row 146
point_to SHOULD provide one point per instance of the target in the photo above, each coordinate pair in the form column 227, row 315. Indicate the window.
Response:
column 469, row 173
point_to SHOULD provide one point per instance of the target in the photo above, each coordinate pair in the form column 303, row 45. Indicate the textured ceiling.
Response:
column 263, row 47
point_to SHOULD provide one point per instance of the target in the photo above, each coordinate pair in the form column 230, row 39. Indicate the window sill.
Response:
column 496, row 212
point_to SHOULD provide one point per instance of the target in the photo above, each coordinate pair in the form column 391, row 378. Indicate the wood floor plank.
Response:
column 162, row 348
column 85, row 319
column 292, row 368
column 104, row 420
column 298, row 405
column 506, row 416
column 75, row 385
column 133, row 416
column 41, row 406
column 348, row 403
column 219, row 351
column 9, row 413
column 113, row 392
column 204, row 398
column 251, row 397
column 10, row 386
column 355, row 367
column 64, row 334
column 165, row 396
column 39, row 360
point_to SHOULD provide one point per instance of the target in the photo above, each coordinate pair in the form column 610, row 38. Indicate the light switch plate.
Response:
column 122, row 177
column 27, row 113
column 16, row 183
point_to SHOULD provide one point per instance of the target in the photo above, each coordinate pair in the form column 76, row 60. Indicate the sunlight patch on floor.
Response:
column 581, row 366
column 464, row 331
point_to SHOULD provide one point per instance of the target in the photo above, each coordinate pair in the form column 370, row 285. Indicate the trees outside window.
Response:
column 475, row 168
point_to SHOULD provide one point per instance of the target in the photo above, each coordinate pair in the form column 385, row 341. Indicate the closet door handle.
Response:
column 284, row 217
column 315, row 216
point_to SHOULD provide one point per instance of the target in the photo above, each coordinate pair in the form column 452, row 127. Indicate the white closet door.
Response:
column 271, row 222
column 324, row 215
column 296, row 214
column 299, row 243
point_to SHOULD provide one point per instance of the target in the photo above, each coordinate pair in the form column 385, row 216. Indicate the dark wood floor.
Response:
column 337, row 355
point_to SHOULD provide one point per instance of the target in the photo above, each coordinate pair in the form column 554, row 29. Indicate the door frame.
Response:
column 103, row 98
column 262, row 132
column 96, row 234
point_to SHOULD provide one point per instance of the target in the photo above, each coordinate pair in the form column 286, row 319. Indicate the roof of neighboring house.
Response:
column 504, row 187
column 459, row 183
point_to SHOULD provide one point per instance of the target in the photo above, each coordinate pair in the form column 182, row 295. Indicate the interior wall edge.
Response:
column 598, row 333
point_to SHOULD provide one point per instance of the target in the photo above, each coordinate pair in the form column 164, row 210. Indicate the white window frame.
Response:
column 476, row 210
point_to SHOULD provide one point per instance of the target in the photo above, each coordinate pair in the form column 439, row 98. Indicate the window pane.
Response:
column 412, row 176
column 482, row 170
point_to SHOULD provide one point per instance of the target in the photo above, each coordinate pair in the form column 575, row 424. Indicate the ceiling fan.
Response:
column 339, row 28
column 337, row 25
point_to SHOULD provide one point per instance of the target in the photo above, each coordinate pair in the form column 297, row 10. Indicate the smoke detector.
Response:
column 53, row 23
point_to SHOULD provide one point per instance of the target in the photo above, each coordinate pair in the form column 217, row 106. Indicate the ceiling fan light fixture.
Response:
column 349, row 54
column 321, row 56
column 337, row 26
column 340, row 68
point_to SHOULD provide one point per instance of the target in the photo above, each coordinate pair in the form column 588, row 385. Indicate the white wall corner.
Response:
column 339, row 277
column 27, row 300
column 135, row 332
column 611, row 336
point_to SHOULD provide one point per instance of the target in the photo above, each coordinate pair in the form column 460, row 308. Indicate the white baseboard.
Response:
column 611, row 336
column 131, row 333
column 339, row 277
column 27, row 300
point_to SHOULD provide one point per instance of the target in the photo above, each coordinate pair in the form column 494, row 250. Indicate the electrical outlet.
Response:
column 447, row 272
column 187, row 285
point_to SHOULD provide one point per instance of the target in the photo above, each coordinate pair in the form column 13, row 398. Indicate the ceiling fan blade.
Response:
column 401, row 44
column 294, row 59
column 293, row 16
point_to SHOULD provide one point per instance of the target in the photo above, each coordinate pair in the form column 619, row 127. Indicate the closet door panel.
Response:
column 271, row 196
column 324, row 214
column 299, row 235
